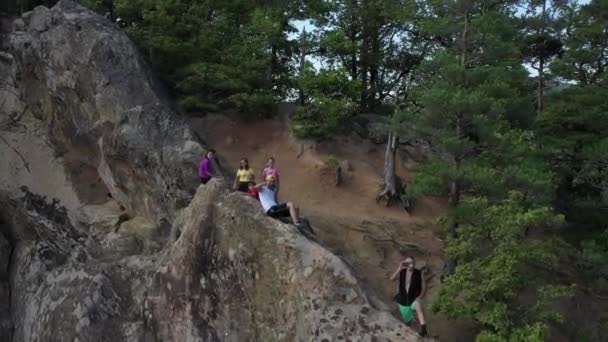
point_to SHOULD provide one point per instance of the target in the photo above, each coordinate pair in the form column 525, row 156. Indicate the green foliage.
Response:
column 321, row 119
column 328, row 83
column 210, row 51
column 331, row 161
column 594, row 261
column 495, row 262
column 370, row 40
column 473, row 107
column 256, row 105
column 330, row 99
column 585, row 58
column 530, row 333
column 572, row 130
column 431, row 179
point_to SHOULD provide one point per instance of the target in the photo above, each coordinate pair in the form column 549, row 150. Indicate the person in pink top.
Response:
column 271, row 170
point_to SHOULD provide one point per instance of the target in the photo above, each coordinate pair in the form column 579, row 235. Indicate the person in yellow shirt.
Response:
column 244, row 175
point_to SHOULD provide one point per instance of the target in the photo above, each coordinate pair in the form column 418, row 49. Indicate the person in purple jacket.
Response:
column 205, row 169
column 271, row 170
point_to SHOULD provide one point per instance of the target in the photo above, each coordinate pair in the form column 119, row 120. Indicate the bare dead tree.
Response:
column 392, row 186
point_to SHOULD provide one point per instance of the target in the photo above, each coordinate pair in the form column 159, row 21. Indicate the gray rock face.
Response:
column 77, row 100
column 104, row 232
column 6, row 250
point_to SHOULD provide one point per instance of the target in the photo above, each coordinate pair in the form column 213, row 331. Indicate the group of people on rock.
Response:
column 412, row 286
column 265, row 192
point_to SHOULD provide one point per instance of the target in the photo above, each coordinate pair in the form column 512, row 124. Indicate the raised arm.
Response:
column 396, row 274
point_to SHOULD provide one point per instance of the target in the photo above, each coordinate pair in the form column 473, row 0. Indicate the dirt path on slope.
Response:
column 347, row 219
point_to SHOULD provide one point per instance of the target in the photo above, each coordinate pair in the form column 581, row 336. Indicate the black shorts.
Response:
column 205, row 180
column 243, row 186
column 279, row 210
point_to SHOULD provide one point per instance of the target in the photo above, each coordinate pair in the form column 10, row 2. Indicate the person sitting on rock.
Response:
column 206, row 169
column 271, row 170
column 268, row 200
column 253, row 191
column 412, row 288
column 244, row 175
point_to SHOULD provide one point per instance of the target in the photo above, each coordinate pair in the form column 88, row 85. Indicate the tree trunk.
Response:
column 454, row 196
column 373, row 71
column 353, row 39
column 392, row 186
column 365, row 57
column 541, row 84
column 303, row 51
column 541, row 64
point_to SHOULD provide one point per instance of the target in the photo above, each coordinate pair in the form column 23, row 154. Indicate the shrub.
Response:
column 331, row 161
column 594, row 255
column 321, row 119
column 256, row 105
column 191, row 104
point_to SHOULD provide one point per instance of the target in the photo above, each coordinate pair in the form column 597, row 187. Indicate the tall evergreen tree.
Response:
column 375, row 41
column 573, row 127
column 499, row 189
column 542, row 31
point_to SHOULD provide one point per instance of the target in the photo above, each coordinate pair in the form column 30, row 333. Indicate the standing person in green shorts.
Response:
column 412, row 288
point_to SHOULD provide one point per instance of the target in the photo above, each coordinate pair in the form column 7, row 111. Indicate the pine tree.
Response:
column 375, row 41
column 573, row 127
column 542, row 32
column 469, row 107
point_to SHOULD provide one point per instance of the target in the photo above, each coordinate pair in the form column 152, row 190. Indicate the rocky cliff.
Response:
column 104, row 234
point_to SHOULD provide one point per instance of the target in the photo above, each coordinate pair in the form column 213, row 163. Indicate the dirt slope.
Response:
column 347, row 219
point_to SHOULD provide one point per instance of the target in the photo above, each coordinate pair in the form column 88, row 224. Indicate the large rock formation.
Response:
column 78, row 101
column 103, row 233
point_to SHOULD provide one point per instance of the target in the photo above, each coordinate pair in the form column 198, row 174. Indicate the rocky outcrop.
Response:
column 248, row 277
column 6, row 250
column 82, row 118
column 233, row 274
column 104, row 232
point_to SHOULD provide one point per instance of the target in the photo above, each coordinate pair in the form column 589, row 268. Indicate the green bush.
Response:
column 322, row 119
column 191, row 104
column 594, row 255
column 331, row 161
column 254, row 106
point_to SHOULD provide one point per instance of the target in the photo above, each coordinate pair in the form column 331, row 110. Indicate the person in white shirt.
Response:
column 268, row 200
